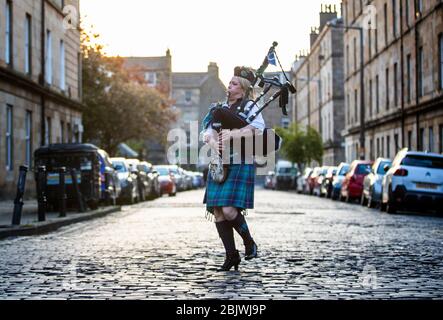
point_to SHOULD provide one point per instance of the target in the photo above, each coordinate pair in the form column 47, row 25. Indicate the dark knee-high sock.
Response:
column 226, row 234
column 240, row 225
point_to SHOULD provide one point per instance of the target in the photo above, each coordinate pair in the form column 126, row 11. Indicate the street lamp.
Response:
column 362, row 86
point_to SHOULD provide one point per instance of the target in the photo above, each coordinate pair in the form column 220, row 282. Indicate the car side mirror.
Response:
column 386, row 168
column 154, row 171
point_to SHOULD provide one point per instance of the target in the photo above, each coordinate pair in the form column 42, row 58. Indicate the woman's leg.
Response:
column 225, row 231
column 238, row 222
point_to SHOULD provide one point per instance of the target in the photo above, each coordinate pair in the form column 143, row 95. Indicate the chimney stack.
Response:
column 327, row 13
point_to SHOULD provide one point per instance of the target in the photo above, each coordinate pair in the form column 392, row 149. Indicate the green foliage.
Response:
column 301, row 145
column 118, row 109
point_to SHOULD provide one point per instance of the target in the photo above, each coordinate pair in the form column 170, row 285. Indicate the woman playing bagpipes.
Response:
column 228, row 200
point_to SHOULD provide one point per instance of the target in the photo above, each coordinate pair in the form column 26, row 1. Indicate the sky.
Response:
column 228, row 32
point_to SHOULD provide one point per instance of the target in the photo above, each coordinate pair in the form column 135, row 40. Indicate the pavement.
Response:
column 309, row 248
column 29, row 224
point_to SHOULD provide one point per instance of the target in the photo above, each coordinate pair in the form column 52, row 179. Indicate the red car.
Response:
column 312, row 179
column 352, row 187
column 167, row 180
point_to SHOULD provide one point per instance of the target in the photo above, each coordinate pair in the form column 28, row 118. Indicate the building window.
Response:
column 8, row 33
column 347, row 60
column 370, row 41
column 410, row 140
column 355, row 54
column 376, row 33
column 386, row 23
column 408, row 78
column 387, row 88
column 69, row 129
column 407, row 12
column 370, row 98
column 62, row 131
column 420, row 72
column 418, row 8
column 394, row 17
column 421, row 141
column 28, row 44
column 9, row 138
column 356, row 106
column 440, row 58
column 395, row 85
column 377, row 94
column 348, row 104
column 382, row 146
column 28, row 138
column 188, row 97
column 388, row 146
column 396, row 146
column 62, row 66
column 48, row 60
column 431, row 140
column 151, row 78
column 378, row 147
column 48, row 129
column 371, row 149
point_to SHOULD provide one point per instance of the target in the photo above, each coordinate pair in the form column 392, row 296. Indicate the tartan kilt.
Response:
column 237, row 191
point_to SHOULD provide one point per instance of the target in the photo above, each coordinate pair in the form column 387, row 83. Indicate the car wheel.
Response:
column 390, row 207
column 371, row 202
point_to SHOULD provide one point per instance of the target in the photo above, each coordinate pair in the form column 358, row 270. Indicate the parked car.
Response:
column 142, row 179
column 84, row 158
column 187, row 176
column 110, row 184
column 285, row 175
column 270, row 180
column 372, row 184
column 197, row 180
column 319, row 180
column 326, row 183
column 415, row 180
column 302, row 180
column 312, row 179
column 352, row 187
column 337, row 180
column 167, row 180
column 153, row 189
column 178, row 177
column 128, row 181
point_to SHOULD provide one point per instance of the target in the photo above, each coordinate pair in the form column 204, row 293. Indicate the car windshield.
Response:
column 120, row 166
column 344, row 170
column 423, row 161
column 162, row 171
column 381, row 167
column 286, row 170
column 363, row 169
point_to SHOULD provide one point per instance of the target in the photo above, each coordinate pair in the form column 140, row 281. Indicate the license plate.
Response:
column 428, row 186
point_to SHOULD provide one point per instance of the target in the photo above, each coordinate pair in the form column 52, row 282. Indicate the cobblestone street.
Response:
column 309, row 248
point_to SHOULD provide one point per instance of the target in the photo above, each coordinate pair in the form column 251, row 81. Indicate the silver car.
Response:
column 372, row 185
column 415, row 181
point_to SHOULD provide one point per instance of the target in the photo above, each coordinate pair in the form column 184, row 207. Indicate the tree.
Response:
column 118, row 109
column 300, row 145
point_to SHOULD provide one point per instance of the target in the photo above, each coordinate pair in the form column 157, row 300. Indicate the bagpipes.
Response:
column 223, row 118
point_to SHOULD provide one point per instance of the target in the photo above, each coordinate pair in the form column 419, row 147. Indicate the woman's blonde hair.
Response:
column 245, row 84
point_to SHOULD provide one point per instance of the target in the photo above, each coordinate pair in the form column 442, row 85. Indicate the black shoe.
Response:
column 232, row 260
column 251, row 251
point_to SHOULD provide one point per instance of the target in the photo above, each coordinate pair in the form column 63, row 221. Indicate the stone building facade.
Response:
column 193, row 93
column 40, row 83
column 319, row 79
column 403, row 77
column 273, row 114
column 156, row 72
